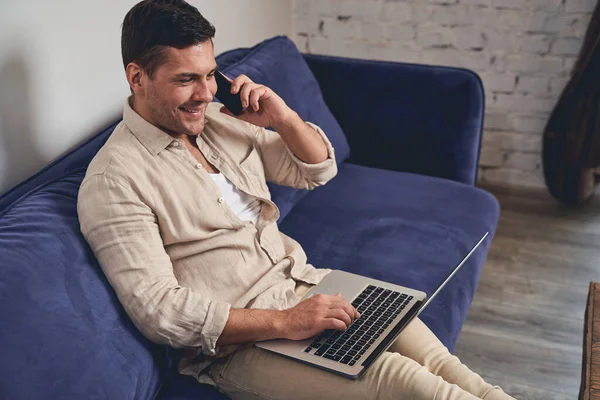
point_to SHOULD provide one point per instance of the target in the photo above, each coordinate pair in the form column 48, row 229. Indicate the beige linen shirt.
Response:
column 176, row 255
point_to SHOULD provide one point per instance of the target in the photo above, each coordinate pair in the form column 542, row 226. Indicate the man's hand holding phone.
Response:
column 260, row 105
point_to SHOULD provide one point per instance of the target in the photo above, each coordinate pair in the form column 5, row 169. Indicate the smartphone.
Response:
column 224, row 95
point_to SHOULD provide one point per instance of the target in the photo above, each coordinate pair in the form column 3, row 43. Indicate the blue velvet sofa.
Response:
column 403, row 208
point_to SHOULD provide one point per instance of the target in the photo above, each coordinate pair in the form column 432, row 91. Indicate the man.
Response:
column 176, row 209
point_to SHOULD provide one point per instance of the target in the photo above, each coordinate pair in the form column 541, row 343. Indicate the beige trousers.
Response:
column 416, row 366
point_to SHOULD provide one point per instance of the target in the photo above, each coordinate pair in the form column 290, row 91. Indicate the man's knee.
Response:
column 394, row 375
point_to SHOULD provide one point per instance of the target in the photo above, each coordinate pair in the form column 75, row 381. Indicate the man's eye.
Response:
column 211, row 75
column 186, row 80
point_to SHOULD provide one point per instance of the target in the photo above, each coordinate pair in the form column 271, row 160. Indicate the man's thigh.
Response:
column 254, row 373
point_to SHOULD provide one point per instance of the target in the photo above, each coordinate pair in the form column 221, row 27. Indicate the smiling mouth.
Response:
column 191, row 110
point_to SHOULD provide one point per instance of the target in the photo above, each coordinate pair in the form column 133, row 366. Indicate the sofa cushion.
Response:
column 64, row 334
column 278, row 64
column 407, row 229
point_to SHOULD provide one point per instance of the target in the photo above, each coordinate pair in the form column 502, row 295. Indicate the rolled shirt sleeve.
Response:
column 216, row 318
column 283, row 167
column 124, row 235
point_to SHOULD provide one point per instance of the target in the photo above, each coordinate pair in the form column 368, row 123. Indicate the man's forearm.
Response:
column 245, row 326
column 302, row 140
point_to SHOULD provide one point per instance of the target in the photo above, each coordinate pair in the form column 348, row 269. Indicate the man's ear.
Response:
column 134, row 74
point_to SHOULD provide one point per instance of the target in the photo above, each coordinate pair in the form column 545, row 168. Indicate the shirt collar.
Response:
column 153, row 138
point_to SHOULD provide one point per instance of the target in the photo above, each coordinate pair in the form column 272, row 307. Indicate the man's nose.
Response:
column 202, row 93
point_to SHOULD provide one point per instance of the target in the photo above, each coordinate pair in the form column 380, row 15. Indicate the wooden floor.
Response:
column 524, row 331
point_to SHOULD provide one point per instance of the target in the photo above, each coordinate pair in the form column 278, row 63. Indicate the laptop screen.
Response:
column 454, row 271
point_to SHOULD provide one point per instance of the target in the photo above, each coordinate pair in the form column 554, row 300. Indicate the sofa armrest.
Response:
column 406, row 117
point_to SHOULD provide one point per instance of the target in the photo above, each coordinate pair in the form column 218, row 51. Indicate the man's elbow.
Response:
column 322, row 178
column 160, row 329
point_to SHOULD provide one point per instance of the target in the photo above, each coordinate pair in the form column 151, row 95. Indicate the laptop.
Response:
column 385, row 310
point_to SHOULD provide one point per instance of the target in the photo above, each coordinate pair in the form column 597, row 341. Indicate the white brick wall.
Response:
column 524, row 51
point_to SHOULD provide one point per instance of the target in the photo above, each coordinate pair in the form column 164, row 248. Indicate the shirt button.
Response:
column 198, row 166
column 175, row 144
column 221, row 200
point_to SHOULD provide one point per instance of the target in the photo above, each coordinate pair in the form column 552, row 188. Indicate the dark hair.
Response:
column 153, row 25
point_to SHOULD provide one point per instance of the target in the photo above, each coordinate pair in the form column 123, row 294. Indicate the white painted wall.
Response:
column 61, row 76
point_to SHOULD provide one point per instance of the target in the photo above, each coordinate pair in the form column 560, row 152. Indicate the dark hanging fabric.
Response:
column 571, row 142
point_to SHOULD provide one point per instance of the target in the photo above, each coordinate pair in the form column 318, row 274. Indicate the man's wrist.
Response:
column 290, row 122
column 278, row 323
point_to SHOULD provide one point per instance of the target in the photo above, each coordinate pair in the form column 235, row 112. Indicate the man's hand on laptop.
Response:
column 316, row 314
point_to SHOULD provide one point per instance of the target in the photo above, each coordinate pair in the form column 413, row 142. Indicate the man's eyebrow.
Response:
column 187, row 75
column 193, row 75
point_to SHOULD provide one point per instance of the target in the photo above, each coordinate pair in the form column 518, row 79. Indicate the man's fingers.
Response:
column 342, row 309
column 333, row 323
column 354, row 314
column 245, row 93
column 353, row 311
column 343, row 316
column 238, row 82
column 255, row 96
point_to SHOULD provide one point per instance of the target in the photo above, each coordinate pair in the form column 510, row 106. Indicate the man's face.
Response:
column 176, row 98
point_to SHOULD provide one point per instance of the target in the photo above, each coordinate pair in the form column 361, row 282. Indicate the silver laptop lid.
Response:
column 440, row 287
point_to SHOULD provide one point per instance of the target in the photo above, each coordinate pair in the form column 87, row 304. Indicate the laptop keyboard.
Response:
column 378, row 307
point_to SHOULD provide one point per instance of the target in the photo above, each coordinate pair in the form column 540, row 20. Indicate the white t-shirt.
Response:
column 246, row 207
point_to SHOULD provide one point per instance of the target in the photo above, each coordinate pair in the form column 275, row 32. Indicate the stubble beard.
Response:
column 167, row 119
